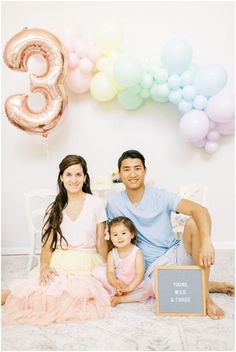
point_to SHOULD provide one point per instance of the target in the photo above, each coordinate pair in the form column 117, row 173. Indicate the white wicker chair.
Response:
column 36, row 202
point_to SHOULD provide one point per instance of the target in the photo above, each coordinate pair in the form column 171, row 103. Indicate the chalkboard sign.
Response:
column 180, row 290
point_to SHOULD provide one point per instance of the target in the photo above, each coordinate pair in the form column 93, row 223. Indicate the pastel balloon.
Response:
column 127, row 71
column 108, row 37
column 93, row 53
column 212, row 125
column 147, row 80
column 184, row 106
column 145, row 93
column 174, row 82
column 200, row 102
column 213, row 135
column 187, row 78
column 160, row 74
column 226, row 129
column 189, row 92
column 85, row 65
column 211, row 147
column 77, row 82
column 16, row 54
column 73, row 60
column 194, row 125
column 103, row 87
column 175, row 96
column 176, row 55
column 129, row 101
column 68, row 33
column 220, row 108
column 200, row 143
column 210, row 80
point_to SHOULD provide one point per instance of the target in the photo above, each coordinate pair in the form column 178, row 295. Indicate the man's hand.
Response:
column 206, row 254
column 47, row 275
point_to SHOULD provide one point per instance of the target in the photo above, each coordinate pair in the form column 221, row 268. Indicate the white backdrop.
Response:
column 101, row 132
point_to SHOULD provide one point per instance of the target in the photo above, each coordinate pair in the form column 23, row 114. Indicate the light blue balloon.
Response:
column 127, row 71
column 189, row 92
column 176, row 55
column 129, row 101
column 174, row 81
column 184, row 106
column 200, row 102
column 210, row 80
column 187, row 78
column 175, row 96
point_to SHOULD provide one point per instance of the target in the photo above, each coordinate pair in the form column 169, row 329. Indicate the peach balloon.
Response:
column 17, row 51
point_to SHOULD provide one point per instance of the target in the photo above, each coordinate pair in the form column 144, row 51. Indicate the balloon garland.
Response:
column 101, row 68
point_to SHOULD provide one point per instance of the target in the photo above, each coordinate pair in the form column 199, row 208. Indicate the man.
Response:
column 150, row 208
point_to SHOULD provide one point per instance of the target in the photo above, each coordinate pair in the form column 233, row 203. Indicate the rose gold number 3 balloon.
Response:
column 16, row 54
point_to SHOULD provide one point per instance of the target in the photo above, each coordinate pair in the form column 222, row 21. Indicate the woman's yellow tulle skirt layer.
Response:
column 74, row 295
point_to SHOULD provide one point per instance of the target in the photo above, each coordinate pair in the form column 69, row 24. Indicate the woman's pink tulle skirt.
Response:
column 69, row 298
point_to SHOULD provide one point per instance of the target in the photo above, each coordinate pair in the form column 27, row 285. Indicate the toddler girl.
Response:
column 123, row 274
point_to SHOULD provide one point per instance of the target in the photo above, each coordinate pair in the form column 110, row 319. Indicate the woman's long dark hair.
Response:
column 54, row 213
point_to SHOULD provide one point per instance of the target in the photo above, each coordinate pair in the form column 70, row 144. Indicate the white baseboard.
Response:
column 26, row 250
column 223, row 245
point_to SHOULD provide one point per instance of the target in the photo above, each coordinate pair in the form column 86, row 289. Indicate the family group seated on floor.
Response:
column 95, row 256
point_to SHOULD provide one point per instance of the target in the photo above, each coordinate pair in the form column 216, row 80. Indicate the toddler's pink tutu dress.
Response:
column 74, row 294
column 125, row 271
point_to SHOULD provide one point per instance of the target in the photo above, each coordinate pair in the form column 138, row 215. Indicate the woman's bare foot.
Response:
column 115, row 300
column 4, row 293
column 221, row 287
column 213, row 311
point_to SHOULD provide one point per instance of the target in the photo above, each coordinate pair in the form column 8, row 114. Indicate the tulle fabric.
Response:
column 72, row 296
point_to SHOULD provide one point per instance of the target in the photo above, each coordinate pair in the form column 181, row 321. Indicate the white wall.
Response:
column 101, row 132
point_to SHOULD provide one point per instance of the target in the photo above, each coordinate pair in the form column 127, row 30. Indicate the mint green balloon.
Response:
column 129, row 101
column 127, row 71
column 133, row 90
column 157, row 93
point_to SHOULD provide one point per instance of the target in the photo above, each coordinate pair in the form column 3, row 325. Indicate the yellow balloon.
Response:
column 109, row 37
column 103, row 87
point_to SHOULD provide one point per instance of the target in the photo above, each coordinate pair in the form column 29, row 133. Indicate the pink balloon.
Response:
column 78, row 82
column 93, row 54
column 80, row 48
column 85, row 65
column 213, row 135
column 73, row 60
column 220, row 108
column 226, row 129
column 211, row 147
column 194, row 125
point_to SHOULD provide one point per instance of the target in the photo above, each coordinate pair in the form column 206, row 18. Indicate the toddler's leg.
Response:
column 141, row 293
column 4, row 293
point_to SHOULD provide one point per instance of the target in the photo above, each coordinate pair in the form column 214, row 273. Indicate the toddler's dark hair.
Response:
column 128, row 223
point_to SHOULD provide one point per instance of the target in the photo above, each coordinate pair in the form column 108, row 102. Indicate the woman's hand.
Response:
column 47, row 275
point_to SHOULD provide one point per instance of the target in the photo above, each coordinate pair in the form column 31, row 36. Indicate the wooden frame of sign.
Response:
column 177, row 295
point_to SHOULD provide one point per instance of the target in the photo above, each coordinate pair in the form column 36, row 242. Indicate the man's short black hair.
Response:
column 133, row 154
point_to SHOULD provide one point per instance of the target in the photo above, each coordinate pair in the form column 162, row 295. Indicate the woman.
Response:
column 61, row 289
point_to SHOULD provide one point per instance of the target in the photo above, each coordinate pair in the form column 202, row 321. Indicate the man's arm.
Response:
column 202, row 219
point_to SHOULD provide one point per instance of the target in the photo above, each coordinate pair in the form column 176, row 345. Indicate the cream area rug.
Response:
column 128, row 327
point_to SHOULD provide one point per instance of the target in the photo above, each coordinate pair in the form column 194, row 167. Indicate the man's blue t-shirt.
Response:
column 152, row 219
